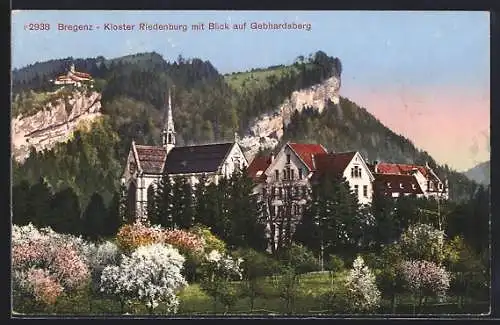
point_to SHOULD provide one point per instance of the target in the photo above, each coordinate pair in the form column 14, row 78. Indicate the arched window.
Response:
column 131, row 202
column 151, row 206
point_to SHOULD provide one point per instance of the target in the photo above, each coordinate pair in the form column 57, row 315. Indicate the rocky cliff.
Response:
column 54, row 123
column 266, row 131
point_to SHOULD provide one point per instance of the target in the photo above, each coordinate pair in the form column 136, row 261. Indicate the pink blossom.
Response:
column 43, row 286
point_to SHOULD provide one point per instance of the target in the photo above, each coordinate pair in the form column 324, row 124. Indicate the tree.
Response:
column 247, row 230
column 423, row 242
column 38, row 205
column 387, row 225
column 152, row 274
column 182, row 205
column 114, row 217
column 362, row 288
column 20, row 195
column 425, row 279
column 65, row 216
column 164, row 201
column 94, row 218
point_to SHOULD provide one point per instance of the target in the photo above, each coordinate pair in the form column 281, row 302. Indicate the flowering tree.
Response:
column 132, row 236
column 361, row 287
column 423, row 242
column 152, row 274
column 219, row 269
column 45, row 264
column 424, row 279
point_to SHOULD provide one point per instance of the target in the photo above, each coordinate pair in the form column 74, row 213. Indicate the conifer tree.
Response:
column 182, row 205
column 94, row 218
column 164, row 201
column 65, row 213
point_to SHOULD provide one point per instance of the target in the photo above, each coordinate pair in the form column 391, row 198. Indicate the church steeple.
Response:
column 168, row 132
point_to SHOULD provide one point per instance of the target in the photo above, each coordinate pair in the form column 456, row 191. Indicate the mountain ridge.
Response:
column 208, row 108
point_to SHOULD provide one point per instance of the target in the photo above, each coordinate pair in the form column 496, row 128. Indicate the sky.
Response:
column 424, row 74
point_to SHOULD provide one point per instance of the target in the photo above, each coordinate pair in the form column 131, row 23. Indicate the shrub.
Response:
column 363, row 294
column 152, row 274
column 45, row 264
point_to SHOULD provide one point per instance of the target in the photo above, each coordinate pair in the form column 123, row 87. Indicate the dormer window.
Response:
column 401, row 185
column 388, row 184
column 413, row 186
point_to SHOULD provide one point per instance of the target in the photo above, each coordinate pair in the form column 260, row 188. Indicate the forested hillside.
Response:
column 208, row 107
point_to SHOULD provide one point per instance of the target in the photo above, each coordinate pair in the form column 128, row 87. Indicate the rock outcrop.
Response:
column 54, row 123
column 266, row 131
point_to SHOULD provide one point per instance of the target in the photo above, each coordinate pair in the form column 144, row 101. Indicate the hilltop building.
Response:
column 147, row 164
column 73, row 77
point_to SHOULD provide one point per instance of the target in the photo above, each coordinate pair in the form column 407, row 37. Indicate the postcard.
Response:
column 250, row 164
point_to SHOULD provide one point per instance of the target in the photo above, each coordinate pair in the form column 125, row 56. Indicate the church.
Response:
column 147, row 164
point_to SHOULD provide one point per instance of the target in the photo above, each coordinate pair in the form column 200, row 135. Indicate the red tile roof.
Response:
column 258, row 164
column 332, row 163
column 305, row 152
column 403, row 169
column 396, row 183
column 151, row 158
column 82, row 75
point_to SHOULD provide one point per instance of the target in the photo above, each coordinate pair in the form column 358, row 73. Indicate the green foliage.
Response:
column 87, row 163
column 94, row 218
column 212, row 242
column 300, row 259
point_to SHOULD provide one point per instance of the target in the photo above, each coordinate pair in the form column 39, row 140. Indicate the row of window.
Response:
column 365, row 190
column 356, row 172
column 288, row 174
column 279, row 192
column 279, row 210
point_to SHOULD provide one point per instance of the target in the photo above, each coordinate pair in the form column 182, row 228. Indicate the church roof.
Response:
column 151, row 158
column 197, row 159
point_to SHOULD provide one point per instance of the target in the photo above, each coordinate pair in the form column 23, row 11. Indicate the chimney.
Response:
column 272, row 157
column 236, row 137
column 313, row 161
column 375, row 166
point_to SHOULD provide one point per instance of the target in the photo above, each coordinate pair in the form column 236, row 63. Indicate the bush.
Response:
column 301, row 259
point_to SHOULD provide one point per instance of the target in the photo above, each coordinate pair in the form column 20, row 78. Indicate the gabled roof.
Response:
column 82, row 74
column 396, row 183
column 332, row 163
column 151, row 158
column 403, row 169
column 258, row 164
column 305, row 151
column 197, row 159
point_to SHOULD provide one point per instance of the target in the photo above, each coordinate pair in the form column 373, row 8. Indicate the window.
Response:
column 440, row 186
column 401, row 185
column 277, row 175
column 356, row 172
column 352, row 172
column 365, row 190
column 170, row 138
column 273, row 192
column 356, row 189
column 388, row 185
column 288, row 158
column 293, row 174
column 300, row 173
column 284, row 173
column 288, row 176
column 280, row 193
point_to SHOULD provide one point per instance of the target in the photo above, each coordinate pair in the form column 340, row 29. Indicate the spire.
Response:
column 168, row 132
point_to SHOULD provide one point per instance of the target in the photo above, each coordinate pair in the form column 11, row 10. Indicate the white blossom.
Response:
column 362, row 289
column 152, row 274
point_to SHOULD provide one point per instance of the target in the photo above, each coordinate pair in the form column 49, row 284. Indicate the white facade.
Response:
column 360, row 179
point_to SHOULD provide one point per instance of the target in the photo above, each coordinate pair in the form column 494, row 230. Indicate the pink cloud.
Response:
column 452, row 124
